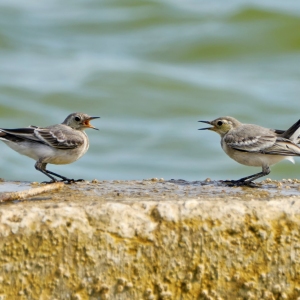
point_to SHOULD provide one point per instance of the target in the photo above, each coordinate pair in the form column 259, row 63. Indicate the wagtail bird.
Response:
column 57, row 144
column 256, row 146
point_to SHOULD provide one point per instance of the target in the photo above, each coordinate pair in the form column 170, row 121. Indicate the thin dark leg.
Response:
column 60, row 176
column 42, row 168
column 249, row 179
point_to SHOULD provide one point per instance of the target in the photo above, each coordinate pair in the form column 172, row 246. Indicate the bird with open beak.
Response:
column 56, row 144
column 256, row 146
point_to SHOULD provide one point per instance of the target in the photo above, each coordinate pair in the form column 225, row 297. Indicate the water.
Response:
column 151, row 70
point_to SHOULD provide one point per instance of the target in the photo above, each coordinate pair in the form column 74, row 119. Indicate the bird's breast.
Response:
column 62, row 157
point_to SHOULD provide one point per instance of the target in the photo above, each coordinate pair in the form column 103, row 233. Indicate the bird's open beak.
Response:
column 206, row 128
column 88, row 124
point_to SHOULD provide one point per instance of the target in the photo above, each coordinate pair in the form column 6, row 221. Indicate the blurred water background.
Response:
column 151, row 70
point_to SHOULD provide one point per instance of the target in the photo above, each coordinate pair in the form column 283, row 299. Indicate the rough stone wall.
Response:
column 82, row 244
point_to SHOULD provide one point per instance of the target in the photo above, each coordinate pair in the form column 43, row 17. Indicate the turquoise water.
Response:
column 151, row 70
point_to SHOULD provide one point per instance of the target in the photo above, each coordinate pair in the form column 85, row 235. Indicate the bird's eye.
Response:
column 77, row 119
column 220, row 123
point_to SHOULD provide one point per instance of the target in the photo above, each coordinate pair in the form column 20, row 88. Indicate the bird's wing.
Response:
column 263, row 144
column 19, row 134
column 249, row 143
column 59, row 137
column 284, row 147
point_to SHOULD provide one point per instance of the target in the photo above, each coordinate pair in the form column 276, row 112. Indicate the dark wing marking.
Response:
column 19, row 131
column 19, row 134
column 279, row 131
column 292, row 133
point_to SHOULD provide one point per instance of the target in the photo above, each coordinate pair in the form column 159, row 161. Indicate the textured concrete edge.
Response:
column 131, row 213
column 136, row 249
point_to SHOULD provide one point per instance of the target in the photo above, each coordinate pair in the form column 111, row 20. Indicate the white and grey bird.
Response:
column 256, row 146
column 57, row 144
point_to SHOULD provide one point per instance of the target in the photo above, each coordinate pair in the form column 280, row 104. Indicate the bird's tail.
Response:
column 293, row 133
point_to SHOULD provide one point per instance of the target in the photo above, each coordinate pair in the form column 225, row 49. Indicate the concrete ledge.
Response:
column 153, row 240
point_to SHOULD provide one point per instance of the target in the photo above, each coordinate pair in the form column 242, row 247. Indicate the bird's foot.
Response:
column 70, row 181
column 232, row 183
column 49, row 182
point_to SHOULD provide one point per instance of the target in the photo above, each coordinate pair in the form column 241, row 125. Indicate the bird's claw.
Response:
column 49, row 182
column 70, row 181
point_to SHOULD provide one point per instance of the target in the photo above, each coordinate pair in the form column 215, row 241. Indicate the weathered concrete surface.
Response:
column 153, row 240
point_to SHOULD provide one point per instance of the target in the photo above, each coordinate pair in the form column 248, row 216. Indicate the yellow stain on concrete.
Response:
column 152, row 240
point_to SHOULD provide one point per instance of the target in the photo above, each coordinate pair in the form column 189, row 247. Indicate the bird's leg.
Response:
column 249, row 179
column 265, row 171
column 68, row 180
column 64, row 178
column 42, row 168
column 60, row 176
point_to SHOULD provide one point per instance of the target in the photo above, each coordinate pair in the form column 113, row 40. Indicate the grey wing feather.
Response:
column 263, row 144
column 59, row 138
column 249, row 144
column 283, row 147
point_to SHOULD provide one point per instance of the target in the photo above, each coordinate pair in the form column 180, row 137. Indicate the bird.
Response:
column 56, row 144
column 256, row 146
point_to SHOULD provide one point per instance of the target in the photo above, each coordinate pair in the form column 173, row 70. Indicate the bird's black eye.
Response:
column 77, row 119
column 220, row 123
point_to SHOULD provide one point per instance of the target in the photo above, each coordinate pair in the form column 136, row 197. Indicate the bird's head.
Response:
column 79, row 121
column 221, row 125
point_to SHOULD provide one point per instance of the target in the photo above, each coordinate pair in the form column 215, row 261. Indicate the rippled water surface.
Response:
column 151, row 70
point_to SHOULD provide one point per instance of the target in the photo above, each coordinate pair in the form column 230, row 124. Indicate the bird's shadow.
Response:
column 217, row 183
